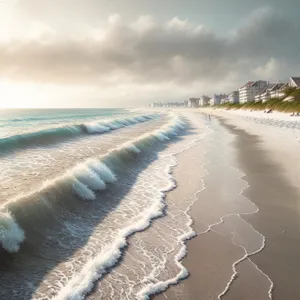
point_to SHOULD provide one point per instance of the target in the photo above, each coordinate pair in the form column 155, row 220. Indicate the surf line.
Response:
column 159, row 287
column 81, row 284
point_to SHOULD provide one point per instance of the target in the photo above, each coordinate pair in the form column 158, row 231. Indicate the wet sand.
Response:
column 231, row 151
column 279, row 216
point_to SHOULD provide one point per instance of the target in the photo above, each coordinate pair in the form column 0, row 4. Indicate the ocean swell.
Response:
column 83, row 181
column 52, row 135
column 81, row 284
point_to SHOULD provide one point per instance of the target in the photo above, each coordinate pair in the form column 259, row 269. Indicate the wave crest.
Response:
column 50, row 135
column 11, row 235
column 84, row 180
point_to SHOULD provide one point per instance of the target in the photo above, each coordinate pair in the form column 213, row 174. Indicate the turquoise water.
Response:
column 22, row 119
column 25, row 121
column 20, row 129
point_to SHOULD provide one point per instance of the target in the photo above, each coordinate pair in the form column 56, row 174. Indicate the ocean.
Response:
column 79, row 190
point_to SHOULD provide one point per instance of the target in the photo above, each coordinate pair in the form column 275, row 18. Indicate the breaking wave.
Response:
column 11, row 235
column 51, row 135
column 83, row 181
column 81, row 284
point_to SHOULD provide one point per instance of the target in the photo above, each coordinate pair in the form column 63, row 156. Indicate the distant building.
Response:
column 169, row 104
column 176, row 104
column 294, row 82
column 275, row 91
column 264, row 94
column 281, row 92
column 217, row 98
column 248, row 91
column 193, row 102
column 204, row 100
column 272, row 90
column 224, row 100
column 234, row 97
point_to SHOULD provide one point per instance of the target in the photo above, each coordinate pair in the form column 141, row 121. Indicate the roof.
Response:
column 253, row 83
column 276, row 86
column 284, row 86
column 296, row 80
column 249, row 83
column 257, row 81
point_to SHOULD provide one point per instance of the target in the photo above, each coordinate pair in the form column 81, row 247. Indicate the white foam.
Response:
column 160, row 136
column 154, row 288
column 81, row 284
column 96, row 128
column 11, row 235
column 88, row 177
column 84, row 180
column 113, row 124
column 102, row 170
column 169, row 130
column 92, row 175
column 82, row 190
column 132, row 148
column 158, row 287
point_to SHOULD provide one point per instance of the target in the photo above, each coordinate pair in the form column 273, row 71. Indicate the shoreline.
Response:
column 271, row 272
column 214, row 252
column 278, row 218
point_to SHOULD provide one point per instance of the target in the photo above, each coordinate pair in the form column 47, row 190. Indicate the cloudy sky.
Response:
column 109, row 53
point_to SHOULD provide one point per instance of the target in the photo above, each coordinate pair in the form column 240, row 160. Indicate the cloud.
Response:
column 147, row 52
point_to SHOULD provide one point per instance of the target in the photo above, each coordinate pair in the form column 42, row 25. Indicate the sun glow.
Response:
column 14, row 95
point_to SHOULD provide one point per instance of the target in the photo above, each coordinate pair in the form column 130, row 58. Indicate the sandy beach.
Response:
column 178, row 205
column 278, row 217
column 246, row 218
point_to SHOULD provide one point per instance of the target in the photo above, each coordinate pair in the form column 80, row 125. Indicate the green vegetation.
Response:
column 289, row 103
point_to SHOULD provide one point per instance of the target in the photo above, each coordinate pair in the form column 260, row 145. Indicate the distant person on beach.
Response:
column 209, row 117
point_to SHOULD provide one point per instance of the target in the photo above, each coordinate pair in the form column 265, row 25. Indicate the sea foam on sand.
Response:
column 82, row 283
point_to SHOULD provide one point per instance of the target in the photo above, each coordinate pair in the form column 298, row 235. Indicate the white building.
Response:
column 248, row 91
column 204, row 100
column 234, row 97
column 276, row 92
column 216, row 99
column 224, row 99
column 193, row 102
column 263, row 95
column 294, row 82
column 272, row 90
column 281, row 92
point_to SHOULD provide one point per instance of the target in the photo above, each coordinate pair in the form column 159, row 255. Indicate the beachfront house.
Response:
column 193, row 102
column 272, row 90
column 217, row 98
column 204, row 100
column 294, row 82
column 248, row 91
column 233, row 97
column 224, row 99
column 281, row 92
column 275, row 92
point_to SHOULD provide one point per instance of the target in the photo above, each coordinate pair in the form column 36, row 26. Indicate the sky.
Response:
column 108, row 53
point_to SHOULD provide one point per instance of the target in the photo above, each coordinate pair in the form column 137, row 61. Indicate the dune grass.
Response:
column 290, row 103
